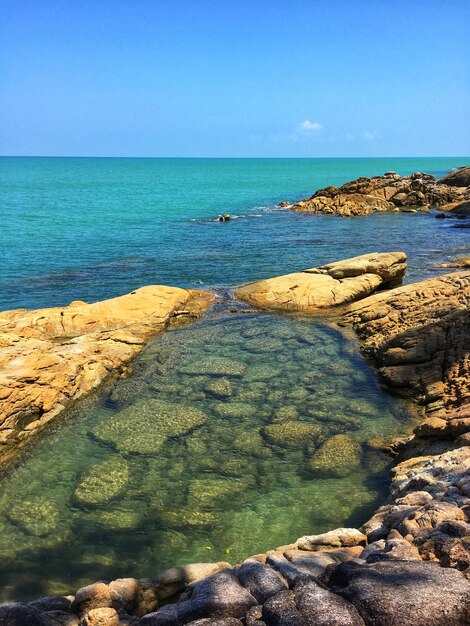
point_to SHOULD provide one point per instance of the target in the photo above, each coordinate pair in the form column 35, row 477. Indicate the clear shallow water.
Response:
column 204, row 454
column 89, row 229
column 213, row 484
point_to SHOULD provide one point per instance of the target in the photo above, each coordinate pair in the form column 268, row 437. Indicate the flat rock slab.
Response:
column 145, row 428
column 326, row 286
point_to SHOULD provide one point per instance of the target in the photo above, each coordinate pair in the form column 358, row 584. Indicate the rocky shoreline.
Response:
column 391, row 192
column 51, row 357
column 408, row 564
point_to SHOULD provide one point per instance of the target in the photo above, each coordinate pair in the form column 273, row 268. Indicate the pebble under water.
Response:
column 234, row 434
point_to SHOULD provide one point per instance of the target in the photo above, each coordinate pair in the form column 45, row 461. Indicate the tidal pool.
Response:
column 233, row 435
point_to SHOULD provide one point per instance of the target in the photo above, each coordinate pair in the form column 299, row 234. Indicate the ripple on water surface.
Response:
column 233, row 435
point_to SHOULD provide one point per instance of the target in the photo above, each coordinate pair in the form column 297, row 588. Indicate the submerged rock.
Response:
column 146, row 427
column 210, row 493
column 214, row 366
column 103, row 482
column 338, row 456
column 119, row 519
column 36, row 515
column 237, row 410
column 285, row 414
column 187, row 517
column 220, row 388
column 292, row 433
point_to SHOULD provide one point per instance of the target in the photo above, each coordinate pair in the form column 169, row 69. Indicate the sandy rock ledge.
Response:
column 50, row 357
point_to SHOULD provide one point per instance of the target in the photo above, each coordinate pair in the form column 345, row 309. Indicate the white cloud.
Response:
column 308, row 126
column 369, row 135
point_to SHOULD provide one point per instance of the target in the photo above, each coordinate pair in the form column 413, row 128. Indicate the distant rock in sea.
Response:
column 390, row 192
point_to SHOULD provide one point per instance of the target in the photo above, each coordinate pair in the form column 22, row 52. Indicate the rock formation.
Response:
column 390, row 192
column 457, row 178
column 49, row 357
column 418, row 336
column 408, row 564
column 328, row 285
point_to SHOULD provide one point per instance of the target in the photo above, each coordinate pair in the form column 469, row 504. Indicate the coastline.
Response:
column 392, row 541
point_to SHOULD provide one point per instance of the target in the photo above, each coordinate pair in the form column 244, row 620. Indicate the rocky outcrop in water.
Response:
column 408, row 564
column 50, row 357
column 457, row 178
column 390, row 192
column 327, row 286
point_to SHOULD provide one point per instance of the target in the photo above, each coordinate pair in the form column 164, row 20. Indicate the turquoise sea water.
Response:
column 214, row 448
column 88, row 228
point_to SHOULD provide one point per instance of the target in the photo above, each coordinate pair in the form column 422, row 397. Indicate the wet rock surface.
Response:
column 391, row 192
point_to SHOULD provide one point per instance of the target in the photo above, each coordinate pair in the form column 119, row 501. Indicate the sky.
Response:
column 234, row 78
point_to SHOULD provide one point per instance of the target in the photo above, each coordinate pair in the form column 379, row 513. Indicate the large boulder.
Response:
column 418, row 336
column 16, row 614
column 321, row 607
column 457, row 178
column 217, row 596
column 392, row 593
column 328, row 285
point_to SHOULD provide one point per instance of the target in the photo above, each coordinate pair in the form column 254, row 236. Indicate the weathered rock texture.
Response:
column 409, row 564
column 328, row 285
column 418, row 336
column 49, row 357
column 390, row 192
column 344, row 586
column 458, row 178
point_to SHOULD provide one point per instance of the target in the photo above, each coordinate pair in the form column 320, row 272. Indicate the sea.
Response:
column 110, row 490
column 94, row 228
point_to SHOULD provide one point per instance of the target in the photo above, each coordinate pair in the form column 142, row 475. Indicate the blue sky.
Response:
column 235, row 78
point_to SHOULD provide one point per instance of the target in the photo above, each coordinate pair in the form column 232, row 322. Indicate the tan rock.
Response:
column 49, row 357
column 338, row 538
column 101, row 617
column 418, row 336
column 92, row 597
column 416, row 192
column 326, row 286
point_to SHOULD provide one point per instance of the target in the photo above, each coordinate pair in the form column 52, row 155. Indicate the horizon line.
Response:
column 90, row 156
